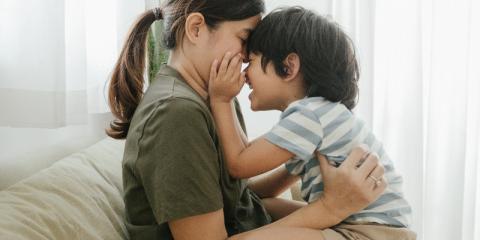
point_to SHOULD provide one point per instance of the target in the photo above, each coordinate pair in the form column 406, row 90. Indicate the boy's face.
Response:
column 267, row 87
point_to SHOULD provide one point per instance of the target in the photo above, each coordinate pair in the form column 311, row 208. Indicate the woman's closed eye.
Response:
column 244, row 41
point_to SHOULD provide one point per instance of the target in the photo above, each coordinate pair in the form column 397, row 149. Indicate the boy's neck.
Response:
column 291, row 99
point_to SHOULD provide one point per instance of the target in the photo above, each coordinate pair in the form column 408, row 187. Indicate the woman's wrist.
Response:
column 336, row 213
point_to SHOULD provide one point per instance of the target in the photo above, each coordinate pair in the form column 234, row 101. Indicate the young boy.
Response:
column 304, row 65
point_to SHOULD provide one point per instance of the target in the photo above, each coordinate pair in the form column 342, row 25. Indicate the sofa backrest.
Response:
column 78, row 197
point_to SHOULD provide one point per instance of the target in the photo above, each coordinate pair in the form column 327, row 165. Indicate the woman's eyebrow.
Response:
column 247, row 31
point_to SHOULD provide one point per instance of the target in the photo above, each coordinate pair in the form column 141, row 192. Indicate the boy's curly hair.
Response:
column 327, row 55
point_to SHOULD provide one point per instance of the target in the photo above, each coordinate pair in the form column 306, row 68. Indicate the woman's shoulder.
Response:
column 165, row 87
column 169, row 113
column 177, row 110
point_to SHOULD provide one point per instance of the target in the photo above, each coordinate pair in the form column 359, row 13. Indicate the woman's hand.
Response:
column 226, row 82
column 356, row 183
column 347, row 190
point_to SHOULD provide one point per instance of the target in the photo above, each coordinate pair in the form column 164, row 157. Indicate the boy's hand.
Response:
column 227, row 82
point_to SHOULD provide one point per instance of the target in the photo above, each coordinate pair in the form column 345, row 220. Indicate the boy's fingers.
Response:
column 241, row 80
column 239, row 64
column 232, row 71
column 235, row 61
column 223, row 66
column 213, row 70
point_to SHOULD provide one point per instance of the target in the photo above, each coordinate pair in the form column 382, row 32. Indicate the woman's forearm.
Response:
column 315, row 215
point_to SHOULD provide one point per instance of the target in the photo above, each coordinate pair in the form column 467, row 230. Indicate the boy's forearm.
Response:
column 229, row 134
column 273, row 183
column 238, row 127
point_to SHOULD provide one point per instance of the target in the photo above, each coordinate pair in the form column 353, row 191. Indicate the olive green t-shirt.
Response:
column 173, row 166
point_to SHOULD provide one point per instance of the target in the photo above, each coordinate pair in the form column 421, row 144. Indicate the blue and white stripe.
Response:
column 315, row 124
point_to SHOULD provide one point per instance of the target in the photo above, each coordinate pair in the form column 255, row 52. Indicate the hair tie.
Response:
column 158, row 13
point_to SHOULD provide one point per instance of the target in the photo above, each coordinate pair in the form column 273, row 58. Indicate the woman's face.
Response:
column 230, row 36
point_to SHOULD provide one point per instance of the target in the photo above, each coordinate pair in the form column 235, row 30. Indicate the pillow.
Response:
column 19, row 165
column 78, row 197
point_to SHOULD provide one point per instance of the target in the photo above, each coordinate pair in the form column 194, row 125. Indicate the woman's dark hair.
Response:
column 327, row 55
column 126, row 84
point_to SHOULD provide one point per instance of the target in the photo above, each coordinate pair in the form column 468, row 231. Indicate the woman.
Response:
column 175, row 180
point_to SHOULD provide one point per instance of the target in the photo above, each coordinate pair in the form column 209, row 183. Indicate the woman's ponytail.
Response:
column 126, row 85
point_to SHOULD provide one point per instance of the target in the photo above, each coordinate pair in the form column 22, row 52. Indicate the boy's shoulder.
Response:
column 318, row 106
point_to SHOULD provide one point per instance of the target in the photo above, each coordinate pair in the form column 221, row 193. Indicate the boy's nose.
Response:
column 244, row 59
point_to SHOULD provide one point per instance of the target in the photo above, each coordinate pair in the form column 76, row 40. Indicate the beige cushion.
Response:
column 78, row 197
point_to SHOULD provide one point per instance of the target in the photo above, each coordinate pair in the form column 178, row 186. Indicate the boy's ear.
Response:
column 194, row 26
column 292, row 66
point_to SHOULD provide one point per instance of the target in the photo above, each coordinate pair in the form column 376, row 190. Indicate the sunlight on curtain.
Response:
column 419, row 85
column 57, row 57
column 426, row 108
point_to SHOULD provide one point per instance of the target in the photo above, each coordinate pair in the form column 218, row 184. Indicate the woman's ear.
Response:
column 292, row 66
column 194, row 25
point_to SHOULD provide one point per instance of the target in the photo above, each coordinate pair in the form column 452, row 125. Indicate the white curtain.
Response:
column 420, row 78
column 426, row 108
column 56, row 57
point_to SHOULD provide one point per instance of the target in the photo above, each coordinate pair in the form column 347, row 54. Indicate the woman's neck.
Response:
column 185, row 67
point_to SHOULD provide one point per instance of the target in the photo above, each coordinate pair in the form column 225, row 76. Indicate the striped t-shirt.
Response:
column 316, row 124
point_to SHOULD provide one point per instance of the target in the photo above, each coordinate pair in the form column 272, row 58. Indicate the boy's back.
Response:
column 316, row 124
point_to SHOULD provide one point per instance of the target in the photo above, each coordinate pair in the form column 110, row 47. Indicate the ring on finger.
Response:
column 377, row 181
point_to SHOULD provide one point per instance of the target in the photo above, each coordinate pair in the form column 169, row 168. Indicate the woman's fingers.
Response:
column 368, row 165
column 380, row 188
column 355, row 157
column 324, row 166
column 375, row 179
column 347, row 189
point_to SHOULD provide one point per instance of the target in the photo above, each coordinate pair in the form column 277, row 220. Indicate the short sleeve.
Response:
column 178, row 162
column 299, row 132
column 295, row 166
